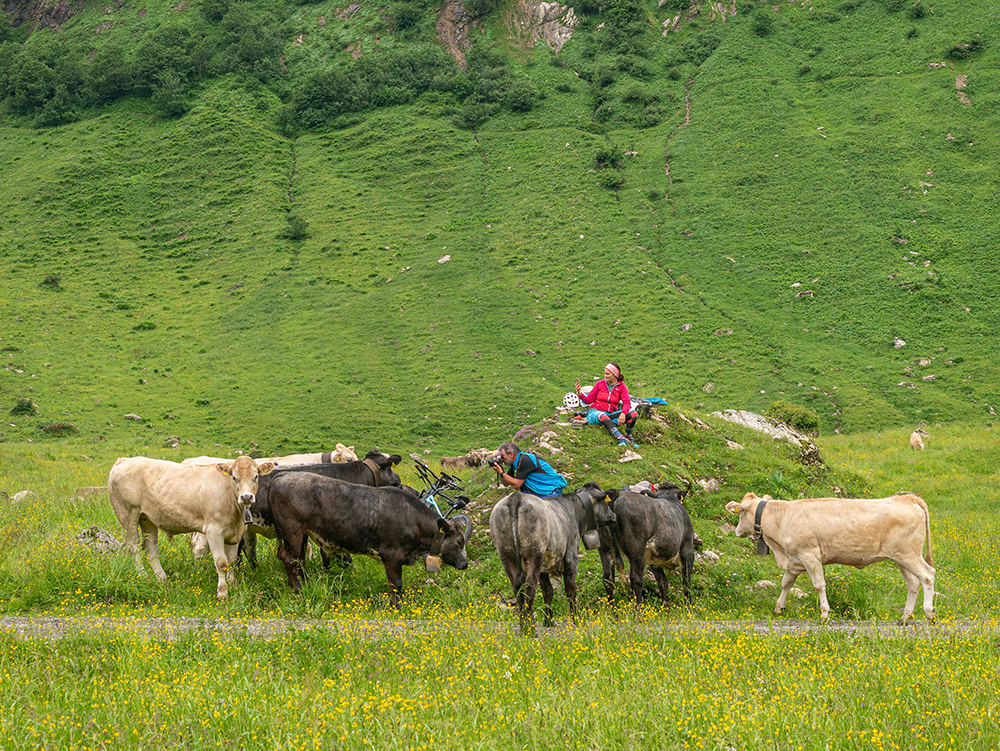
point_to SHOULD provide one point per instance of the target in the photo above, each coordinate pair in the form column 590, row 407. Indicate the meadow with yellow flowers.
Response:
column 94, row 657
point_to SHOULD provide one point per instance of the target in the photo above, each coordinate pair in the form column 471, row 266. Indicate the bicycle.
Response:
column 436, row 487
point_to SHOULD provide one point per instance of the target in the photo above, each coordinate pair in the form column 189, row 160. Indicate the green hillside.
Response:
column 217, row 218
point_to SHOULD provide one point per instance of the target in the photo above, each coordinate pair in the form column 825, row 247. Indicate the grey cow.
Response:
column 653, row 531
column 537, row 537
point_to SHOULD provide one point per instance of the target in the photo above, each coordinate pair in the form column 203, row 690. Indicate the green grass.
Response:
column 169, row 237
column 449, row 667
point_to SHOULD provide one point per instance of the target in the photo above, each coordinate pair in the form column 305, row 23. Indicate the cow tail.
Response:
column 512, row 508
column 929, row 558
column 927, row 522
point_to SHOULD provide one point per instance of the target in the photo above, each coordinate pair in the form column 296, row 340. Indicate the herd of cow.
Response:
column 348, row 506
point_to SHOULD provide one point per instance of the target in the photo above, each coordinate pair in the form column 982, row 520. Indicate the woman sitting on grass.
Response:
column 609, row 401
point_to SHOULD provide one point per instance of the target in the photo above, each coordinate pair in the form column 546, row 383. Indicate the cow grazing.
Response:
column 537, row 537
column 389, row 524
column 916, row 442
column 808, row 533
column 152, row 494
column 473, row 459
column 650, row 530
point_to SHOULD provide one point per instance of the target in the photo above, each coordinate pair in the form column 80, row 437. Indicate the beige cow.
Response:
column 152, row 495
column 808, row 533
column 916, row 442
column 340, row 454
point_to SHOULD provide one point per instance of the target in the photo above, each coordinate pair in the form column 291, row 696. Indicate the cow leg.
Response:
column 786, row 586
column 815, row 570
column 636, row 572
column 526, row 598
column 547, row 592
column 151, row 543
column 661, row 582
column 569, row 584
column 608, row 573
column 221, row 557
column 394, row 573
column 918, row 572
column 198, row 544
column 293, row 565
column 249, row 547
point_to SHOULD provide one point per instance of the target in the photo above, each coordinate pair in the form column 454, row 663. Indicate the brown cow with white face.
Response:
column 152, row 494
column 810, row 532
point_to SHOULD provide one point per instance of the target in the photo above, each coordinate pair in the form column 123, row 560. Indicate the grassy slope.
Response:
column 359, row 334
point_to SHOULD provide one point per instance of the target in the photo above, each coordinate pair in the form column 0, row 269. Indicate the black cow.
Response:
column 374, row 470
column 536, row 537
column 386, row 523
column 650, row 530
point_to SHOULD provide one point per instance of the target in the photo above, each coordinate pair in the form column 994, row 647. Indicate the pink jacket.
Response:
column 608, row 401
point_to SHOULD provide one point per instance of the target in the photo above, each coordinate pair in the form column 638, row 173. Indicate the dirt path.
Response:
column 55, row 627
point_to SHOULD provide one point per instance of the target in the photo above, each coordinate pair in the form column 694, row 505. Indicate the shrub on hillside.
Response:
column 57, row 429
column 803, row 419
column 51, row 281
column 24, row 406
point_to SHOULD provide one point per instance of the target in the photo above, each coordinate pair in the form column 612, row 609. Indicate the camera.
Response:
column 495, row 462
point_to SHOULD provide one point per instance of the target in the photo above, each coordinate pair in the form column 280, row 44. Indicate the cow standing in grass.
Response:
column 150, row 495
column 649, row 530
column 537, row 537
column 810, row 532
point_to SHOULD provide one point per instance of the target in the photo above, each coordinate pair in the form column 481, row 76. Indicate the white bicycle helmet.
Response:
column 571, row 401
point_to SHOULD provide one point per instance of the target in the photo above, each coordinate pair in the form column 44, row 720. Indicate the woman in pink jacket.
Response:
column 609, row 401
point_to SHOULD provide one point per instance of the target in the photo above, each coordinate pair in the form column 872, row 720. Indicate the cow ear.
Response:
column 265, row 467
column 443, row 524
column 223, row 468
column 732, row 508
column 611, row 496
column 395, row 459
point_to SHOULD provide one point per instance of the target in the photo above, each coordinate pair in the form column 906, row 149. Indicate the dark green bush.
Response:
column 144, row 326
column 803, row 419
column 298, row 228
column 51, row 281
column 761, row 22
column 57, row 429
column 24, row 406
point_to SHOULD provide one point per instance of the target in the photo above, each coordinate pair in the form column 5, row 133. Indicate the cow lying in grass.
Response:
column 810, row 532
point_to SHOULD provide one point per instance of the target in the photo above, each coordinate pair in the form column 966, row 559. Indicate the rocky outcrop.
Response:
column 808, row 452
column 527, row 22
column 46, row 14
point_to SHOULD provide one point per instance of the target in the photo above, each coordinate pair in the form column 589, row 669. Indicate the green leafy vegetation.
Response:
column 800, row 216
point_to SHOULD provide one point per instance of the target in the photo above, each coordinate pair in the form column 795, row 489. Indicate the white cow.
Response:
column 916, row 442
column 152, row 494
column 340, row 454
column 807, row 533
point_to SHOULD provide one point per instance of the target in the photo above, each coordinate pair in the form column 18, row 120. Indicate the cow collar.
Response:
column 326, row 458
column 758, row 535
column 588, row 510
column 370, row 463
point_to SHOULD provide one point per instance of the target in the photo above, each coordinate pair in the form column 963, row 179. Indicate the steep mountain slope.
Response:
column 754, row 206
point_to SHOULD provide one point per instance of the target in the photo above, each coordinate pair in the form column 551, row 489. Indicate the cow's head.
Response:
column 243, row 474
column 343, row 454
column 384, row 464
column 601, row 501
column 746, row 509
column 448, row 546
